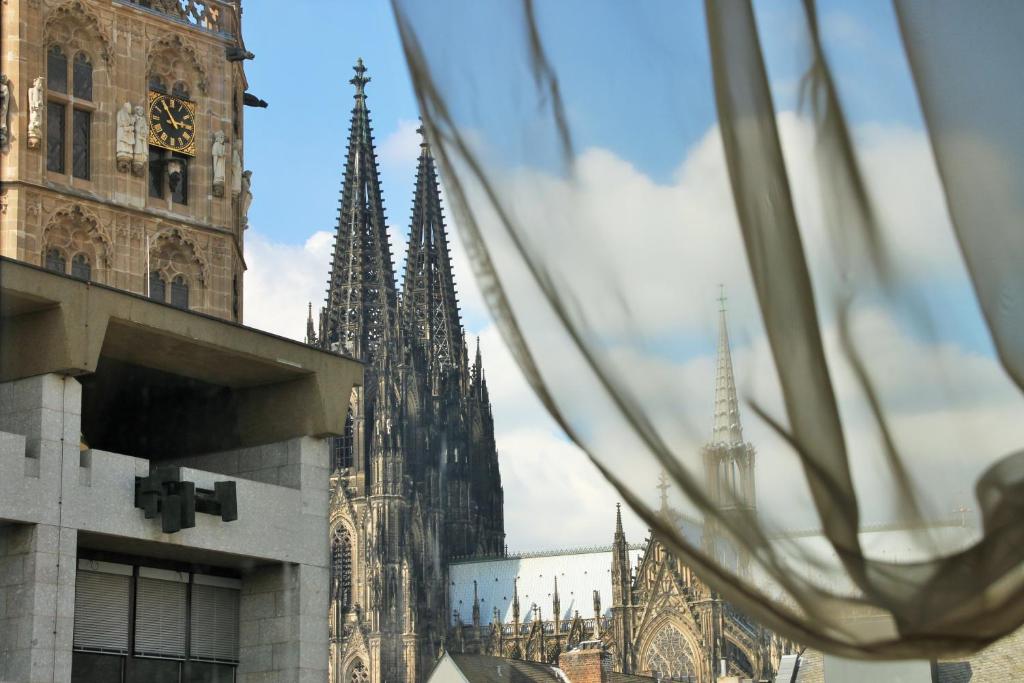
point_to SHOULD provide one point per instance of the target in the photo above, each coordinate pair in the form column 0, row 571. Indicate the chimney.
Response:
column 588, row 662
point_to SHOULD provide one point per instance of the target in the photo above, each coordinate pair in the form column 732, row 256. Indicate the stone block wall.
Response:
column 37, row 602
column 281, row 615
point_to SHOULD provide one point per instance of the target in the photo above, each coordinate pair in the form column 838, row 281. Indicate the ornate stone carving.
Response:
column 140, row 154
column 173, row 60
column 218, row 152
column 245, row 200
column 36, row 102
column 174, row 252
column 74, row 26
column 5, row 101
column 75, row 230
column 125, row 137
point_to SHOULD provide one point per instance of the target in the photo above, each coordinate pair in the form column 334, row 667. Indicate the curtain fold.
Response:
column 852, row 176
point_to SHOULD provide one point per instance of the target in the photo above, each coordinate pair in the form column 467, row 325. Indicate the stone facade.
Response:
column 110, row 217
column 415, row 479
column 652, row 616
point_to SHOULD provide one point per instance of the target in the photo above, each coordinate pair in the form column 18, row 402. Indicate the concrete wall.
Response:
column 50, row 492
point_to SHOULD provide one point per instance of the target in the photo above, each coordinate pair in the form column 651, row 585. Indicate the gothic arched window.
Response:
column 669, row 656
column 55, row 261
column 156, row 83
column 80, row 267
column 179, row 292
column 57, row 70
column 82, row 77
column 68, row 145
column 180, row 89
column 341, row 446
column 341, row 568
column 358, row 673
column 157, row 287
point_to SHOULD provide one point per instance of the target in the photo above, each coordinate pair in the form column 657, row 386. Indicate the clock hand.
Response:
column 170, row 116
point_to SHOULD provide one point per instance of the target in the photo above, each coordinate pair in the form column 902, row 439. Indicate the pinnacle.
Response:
column 727, row 428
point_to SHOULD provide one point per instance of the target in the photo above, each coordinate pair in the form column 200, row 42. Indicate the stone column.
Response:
column 37, row 602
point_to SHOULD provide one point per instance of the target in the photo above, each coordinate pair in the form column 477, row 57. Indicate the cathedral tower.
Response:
column 415, row 478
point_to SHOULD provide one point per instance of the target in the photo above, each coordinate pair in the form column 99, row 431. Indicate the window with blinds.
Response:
column 102, row 596
column 214, row 635
column 160, row 614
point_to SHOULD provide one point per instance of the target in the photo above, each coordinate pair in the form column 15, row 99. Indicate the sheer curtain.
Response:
column 773, row 251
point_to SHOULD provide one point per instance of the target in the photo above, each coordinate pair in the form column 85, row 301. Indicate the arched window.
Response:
column 179, row 292
column 180, row 89
column 80, row 267
column 82, row 77
column 157, row 83
column 341, row 446
column 57, row 70
column 157, row 287
column 341, row 568
column 358, row 674
column 55, row 261
column 68, row 114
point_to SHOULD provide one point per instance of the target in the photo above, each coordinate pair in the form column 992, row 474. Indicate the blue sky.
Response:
column 652, row 116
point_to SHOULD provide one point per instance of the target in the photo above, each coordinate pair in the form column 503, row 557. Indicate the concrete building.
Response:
column 163, row 490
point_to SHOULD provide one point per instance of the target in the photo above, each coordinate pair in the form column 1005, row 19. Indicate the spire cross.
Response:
column 663, row 488
column 422, row 132
column 360, row 80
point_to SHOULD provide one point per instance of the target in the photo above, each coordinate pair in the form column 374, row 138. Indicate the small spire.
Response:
column 360, row 79
column 618, row 519
column 727, row 427
column 663, row 488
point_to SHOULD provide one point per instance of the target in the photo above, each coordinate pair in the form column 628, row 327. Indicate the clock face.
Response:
column 172, row 123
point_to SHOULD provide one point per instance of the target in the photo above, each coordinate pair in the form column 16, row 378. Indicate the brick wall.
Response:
column 588, row 663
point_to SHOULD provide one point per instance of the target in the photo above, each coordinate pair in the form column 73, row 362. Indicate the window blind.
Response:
column 160, row 615
column 214, row 635
column 101, row 609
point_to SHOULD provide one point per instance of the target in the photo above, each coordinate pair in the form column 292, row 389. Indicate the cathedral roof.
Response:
column 579, row 574
column 488, row 669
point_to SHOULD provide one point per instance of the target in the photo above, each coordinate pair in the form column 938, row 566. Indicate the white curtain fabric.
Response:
column 852, row 174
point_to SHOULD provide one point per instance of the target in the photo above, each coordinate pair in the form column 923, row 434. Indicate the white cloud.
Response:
column 664, row 248
column 282, row 279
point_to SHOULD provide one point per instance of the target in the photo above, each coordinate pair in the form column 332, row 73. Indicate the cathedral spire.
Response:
column 430, row 307
column 310, row 328
column 361, row 311
column 727, row 428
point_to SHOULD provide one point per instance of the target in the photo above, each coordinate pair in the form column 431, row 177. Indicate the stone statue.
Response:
column 218, row 151
column 5, row 102
column 36, row 103
column 236, row 168
column 125, row 137
column 140, row 156
column 245, row 199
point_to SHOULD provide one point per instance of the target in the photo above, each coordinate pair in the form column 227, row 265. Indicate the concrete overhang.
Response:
column 230, row 385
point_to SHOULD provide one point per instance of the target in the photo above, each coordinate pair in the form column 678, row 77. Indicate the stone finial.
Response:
column 360, row 79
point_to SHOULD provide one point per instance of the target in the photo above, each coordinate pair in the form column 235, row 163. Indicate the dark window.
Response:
column 55, row 137
column 155, row 670
column 157, row 288
column 207, row 672
column 87, row 667
column 341, row 446
column 179, row 292
column 234, row 296
column 156, row 83
column 179, row 186
column 55, row 261
column 81, row 132
column 341, row 568
column 156, row 173
column 80, row 267
column 180, row 89
column 57, row 70
column 82, row 84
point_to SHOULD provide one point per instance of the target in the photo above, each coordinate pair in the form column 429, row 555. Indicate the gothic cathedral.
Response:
column 415, row 478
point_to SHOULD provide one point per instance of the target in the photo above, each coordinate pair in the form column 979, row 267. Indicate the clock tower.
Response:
column 121, row 155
